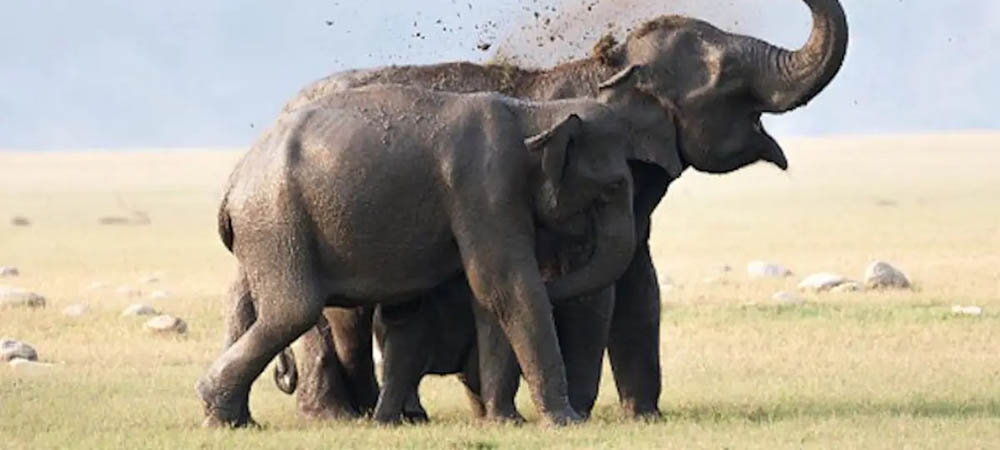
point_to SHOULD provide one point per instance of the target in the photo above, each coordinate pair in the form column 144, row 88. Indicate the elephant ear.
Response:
column 554, row 145
column 652, row 129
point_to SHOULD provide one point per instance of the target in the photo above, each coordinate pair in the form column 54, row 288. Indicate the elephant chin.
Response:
column 613, row 229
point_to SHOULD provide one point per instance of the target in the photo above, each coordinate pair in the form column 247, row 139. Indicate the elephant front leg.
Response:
column 492, row 378
column 582, row 325
column 406, row 349
column 511, row 288
column 634, row 342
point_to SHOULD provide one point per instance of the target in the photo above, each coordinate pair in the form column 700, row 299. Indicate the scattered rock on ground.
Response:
column 9, row 271
column 166, row 323
column 24, row 365
column 763, row 269
column 128, row 292
column 881, row 274
column 19, row 221
column 12, row 297
column 848, row 286
column 139, row 309
column 788, row 298
column 149, row 279
column 967, row 310
column 11, row 349
column 159, row 295
column 822, row 281
column 725, row 268
column 76, row 310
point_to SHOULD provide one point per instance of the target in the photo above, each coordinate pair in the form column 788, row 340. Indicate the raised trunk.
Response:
column 786, row 79
column 614, row 247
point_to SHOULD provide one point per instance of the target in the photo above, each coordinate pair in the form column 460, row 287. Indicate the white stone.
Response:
column 881, row 274
column 764, row 269
column 26, row 366
column 967, row 310
column 76, row 310
column 12, row 297
column 139, row 309
column 822, row 281
column 11, row 349
column 788, row 298
column 165, row 323
column 128, row 292
column 9, row 271
column 159, row 295
column 849, row 286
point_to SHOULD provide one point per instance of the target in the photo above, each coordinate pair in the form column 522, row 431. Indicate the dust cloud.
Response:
column 548, row 32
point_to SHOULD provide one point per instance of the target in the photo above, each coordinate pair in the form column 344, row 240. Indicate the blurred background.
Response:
column 127, row 74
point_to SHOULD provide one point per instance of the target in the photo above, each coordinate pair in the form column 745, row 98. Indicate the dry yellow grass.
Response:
column 882, row 369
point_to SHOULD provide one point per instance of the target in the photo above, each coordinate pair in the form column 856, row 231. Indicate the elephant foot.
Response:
column 642, row 412
column 224, row 410
column 561, row 418
column 511, row 417
column 416, row 416
column 325, row 413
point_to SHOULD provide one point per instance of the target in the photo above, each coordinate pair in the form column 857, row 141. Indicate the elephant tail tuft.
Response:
column 226, row 223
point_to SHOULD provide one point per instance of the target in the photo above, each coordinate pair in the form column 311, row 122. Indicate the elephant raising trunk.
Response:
column 785, row 79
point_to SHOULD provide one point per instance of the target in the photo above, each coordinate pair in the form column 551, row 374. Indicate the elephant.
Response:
column 435, row 334
column 378, row 194
column 710, row 88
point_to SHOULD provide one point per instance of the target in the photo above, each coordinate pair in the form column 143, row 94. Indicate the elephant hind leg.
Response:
column 240, row 311
column 285, row 308
column 324, row 391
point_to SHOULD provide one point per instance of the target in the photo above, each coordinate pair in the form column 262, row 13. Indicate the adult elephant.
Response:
column 711, row 88
column 465, row 184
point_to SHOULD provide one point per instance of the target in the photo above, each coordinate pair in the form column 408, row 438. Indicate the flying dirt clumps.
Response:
column 882, row 275
column 763, row 269
column 165, row 324
column 12, row 297
column 11, row 349
column 9, row 271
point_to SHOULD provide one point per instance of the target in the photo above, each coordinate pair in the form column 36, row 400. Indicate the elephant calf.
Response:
column 376, row 195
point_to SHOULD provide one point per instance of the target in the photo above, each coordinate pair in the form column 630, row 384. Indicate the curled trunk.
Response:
column 785, row 80
column 614, row 247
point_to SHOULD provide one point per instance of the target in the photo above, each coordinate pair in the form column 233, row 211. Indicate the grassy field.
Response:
column 859, row 370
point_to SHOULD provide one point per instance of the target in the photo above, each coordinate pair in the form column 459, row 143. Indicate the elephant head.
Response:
column 716, row 84
column 586, row 192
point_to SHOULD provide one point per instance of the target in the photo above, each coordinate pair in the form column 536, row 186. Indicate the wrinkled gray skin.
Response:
column 314, row 221
column 709, row 88
column 431, row 335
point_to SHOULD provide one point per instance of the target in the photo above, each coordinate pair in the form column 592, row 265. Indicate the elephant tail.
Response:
column 226, row 223
column 286, row 374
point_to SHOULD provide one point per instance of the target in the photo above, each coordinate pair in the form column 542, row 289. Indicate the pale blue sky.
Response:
column 126, row 73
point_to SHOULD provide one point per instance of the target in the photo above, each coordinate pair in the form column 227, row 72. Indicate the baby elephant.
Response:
column 379, row 194
column 435, row 334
